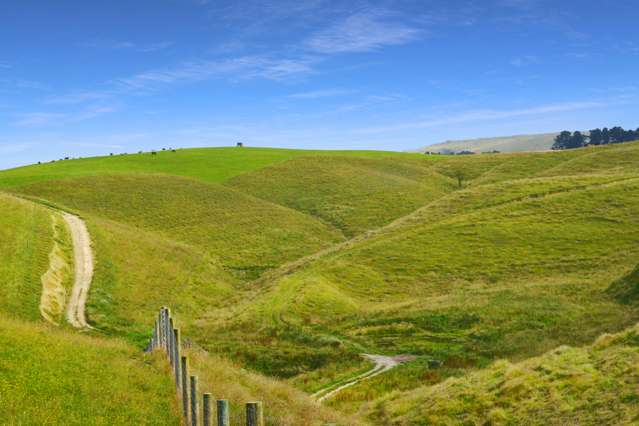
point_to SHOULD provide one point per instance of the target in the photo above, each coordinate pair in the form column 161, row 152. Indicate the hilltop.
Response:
column 518, row 143
column 292, row 263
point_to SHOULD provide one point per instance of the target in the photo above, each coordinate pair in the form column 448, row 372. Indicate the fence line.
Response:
column 166, row 337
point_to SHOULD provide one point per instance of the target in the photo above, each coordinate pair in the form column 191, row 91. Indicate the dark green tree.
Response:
column 562, row 141
column 630, row 136
column 617, row 134
column 596, row 137
column 605, row 136
column 577, row 140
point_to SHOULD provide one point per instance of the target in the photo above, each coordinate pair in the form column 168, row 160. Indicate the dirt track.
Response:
column 83, row 257
column 382, row 365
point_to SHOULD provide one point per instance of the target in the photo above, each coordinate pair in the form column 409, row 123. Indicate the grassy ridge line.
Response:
column 207, row 164
column 51, row 376
column 593, row 385
column 417, row 216
column 248, row 234
column 605, row 159
column 352, row 194
column 423, row 213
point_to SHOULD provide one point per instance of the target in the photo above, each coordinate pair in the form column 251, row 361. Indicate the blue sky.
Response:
column 80, row 78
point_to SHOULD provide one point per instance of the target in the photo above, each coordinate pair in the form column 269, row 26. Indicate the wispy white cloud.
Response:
column 520, row 4
column 627, row 47
column 240, row 68
column 485, row 115
column 524, row 60
column 37, row 119
column 246, row 67
column 317, row 94
column 362, row 32
column 77, row 98
column 5, row 65
column 255, row 16
column 15, row 84
column 127, row 45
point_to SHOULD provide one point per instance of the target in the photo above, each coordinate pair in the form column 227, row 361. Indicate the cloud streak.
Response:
column 362, row 32
column 318, row 94
column 247, row 67
column 128, row 45
column 242, row 68
column 37, row 119
column 485, row 115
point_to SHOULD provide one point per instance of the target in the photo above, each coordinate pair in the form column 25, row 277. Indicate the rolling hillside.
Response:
column 292, row 263
column 53, row 375
column 519, row 143
column 207, row 164
column 352, row 194
column 591, row 385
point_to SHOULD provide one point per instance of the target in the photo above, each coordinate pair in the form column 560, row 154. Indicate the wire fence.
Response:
column 166, row 337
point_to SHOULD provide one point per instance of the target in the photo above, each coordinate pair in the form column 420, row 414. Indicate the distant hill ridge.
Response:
column 517, row 143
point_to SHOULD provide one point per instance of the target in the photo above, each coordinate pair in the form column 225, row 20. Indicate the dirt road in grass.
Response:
column 83, row 271
column 382, row 365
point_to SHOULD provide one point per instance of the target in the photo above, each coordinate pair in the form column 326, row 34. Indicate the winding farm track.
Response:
column 83, row 257
column 382, row 365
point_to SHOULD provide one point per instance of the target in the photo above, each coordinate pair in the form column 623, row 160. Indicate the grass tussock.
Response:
column 592, row 385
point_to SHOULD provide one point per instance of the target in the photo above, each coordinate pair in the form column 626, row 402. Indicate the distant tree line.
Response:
column 605, row 136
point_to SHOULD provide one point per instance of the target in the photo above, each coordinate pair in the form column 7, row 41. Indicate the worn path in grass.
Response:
column 83, row 271
column 382, row 364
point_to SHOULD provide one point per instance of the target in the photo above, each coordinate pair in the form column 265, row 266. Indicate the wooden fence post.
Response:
column 194, row 404
column 172, row 344
column 167, row 333
column 165, row 337
column 223, row 417
column 206, row 409
column 185, row 388
column 157, row 333
column 161, row 326
column 176, row 356
column 254, row 414
column 153, row 338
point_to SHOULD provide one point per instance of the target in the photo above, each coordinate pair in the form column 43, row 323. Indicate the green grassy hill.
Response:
column 50, row 375
column 54, row 375
column 207, row 164
column 292, row 263
column 352, row 194
column 246, row 234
